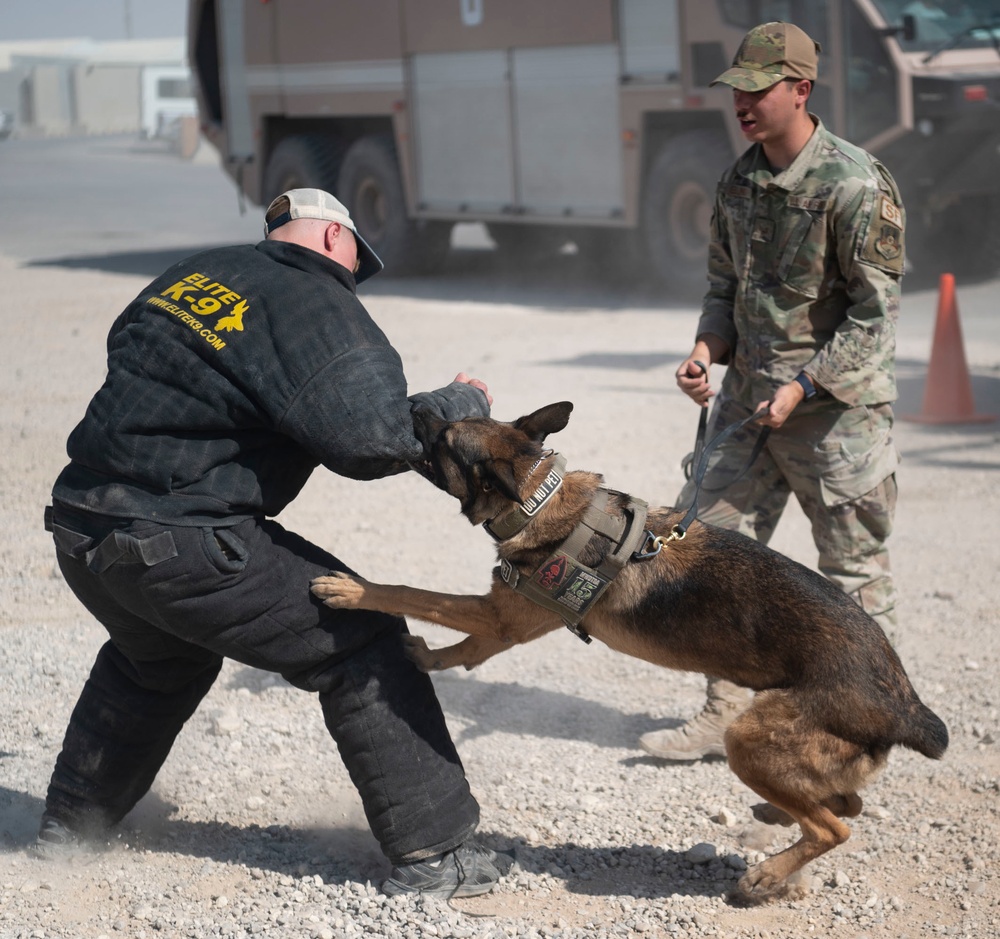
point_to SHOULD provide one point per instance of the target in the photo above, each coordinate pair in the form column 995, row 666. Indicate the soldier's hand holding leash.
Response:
column 692, row 375
column 692, row 379
column 785, row 400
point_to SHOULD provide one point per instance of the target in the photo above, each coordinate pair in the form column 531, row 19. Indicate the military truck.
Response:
column 586, row 121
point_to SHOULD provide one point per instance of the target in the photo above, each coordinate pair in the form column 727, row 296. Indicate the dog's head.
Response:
column 482, row 462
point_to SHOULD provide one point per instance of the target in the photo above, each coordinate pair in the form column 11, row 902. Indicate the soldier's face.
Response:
column 765, row 116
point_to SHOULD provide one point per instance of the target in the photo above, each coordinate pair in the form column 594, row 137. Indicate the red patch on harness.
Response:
column 552, row 574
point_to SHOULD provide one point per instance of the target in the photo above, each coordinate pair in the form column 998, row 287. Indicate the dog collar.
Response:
column 509, row 524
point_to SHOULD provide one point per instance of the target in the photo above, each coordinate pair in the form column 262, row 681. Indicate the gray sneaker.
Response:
column 468, row 871
column 54, row 841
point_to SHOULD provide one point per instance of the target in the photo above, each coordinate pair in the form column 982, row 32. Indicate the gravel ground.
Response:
column 252, row 827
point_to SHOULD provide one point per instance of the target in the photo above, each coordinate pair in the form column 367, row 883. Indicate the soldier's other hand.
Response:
column 692, row 379
column 476, row 383
column 785, row 400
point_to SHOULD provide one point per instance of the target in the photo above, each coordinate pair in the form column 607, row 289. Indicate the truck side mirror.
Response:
column 909, row 27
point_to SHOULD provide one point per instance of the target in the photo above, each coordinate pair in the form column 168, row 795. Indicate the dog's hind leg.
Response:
column 801, row 770
column 771, row 815
column 821, row 832
column 843, row 806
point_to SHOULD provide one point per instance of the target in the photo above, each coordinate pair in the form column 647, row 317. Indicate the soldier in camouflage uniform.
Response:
column 804, row 267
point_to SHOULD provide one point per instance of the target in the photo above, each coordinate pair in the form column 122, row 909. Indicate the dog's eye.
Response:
column 487, row 487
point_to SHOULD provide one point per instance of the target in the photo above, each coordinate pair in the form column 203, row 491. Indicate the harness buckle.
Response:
column 577, row 630
column 654, row 544
column 509, row 574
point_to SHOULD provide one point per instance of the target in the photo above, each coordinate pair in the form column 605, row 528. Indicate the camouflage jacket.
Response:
column 804, row 270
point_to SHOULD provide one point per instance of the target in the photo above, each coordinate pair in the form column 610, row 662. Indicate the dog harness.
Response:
column 562, row 583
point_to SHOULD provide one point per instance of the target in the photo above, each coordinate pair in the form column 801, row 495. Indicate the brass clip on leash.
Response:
column 654, row 544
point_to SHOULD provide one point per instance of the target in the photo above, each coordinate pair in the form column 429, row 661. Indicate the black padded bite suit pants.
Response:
column 177, row 600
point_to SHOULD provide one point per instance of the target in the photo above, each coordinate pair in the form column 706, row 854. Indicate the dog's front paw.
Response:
column 339, row 590
column 419, row 654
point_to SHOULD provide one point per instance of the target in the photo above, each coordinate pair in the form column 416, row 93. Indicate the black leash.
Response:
column 692, row 459
column 702, row 464
column 699, row 459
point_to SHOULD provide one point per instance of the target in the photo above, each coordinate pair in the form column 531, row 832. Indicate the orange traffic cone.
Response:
column 948, row 390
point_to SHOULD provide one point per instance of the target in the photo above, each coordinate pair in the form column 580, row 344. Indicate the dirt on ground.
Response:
column 253, row 828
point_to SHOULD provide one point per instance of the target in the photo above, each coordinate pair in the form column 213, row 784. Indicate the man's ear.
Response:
column 330, row 235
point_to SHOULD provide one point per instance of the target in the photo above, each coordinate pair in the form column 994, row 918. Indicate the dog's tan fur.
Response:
column 832, row 696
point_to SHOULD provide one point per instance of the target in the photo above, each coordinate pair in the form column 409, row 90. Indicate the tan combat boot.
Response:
column 702, row 735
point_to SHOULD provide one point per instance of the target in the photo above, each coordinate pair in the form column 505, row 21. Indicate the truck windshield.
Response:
column 967, row 23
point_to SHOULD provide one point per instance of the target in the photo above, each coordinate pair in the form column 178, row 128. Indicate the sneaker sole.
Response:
column 391, row 889
column 55, row 852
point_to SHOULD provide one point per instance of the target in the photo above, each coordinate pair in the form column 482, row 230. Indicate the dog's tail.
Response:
column 925, row 732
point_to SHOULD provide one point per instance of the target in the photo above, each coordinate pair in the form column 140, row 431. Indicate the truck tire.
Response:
column 372, row 189
column 525, row 244
column 677, row 203
column 617, row 253
column 302, row 161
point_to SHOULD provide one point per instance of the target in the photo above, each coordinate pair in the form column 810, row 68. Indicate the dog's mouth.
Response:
column 425, row 468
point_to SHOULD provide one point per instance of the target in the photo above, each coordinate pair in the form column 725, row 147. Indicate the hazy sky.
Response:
column 92, row 19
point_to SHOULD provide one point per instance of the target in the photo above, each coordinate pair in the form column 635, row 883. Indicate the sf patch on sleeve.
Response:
column 883, row 245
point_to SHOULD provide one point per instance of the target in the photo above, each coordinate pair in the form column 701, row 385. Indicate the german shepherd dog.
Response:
column 832, row 696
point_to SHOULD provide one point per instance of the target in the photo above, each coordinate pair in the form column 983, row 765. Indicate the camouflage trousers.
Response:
column 840, row 464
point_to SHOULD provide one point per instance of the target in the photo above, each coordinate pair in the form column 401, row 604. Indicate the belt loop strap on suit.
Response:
column 121, row 546
column 116, row 546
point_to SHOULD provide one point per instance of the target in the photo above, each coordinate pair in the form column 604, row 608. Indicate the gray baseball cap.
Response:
column 318, row 204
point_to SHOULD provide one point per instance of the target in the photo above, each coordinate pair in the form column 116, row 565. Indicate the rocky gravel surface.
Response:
column 252, row 827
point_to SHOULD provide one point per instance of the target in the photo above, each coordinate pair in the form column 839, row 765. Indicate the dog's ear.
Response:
column 501, row 477
column 539, row 424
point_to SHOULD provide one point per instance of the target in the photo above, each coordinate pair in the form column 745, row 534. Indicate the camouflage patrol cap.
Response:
column 770, row 53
